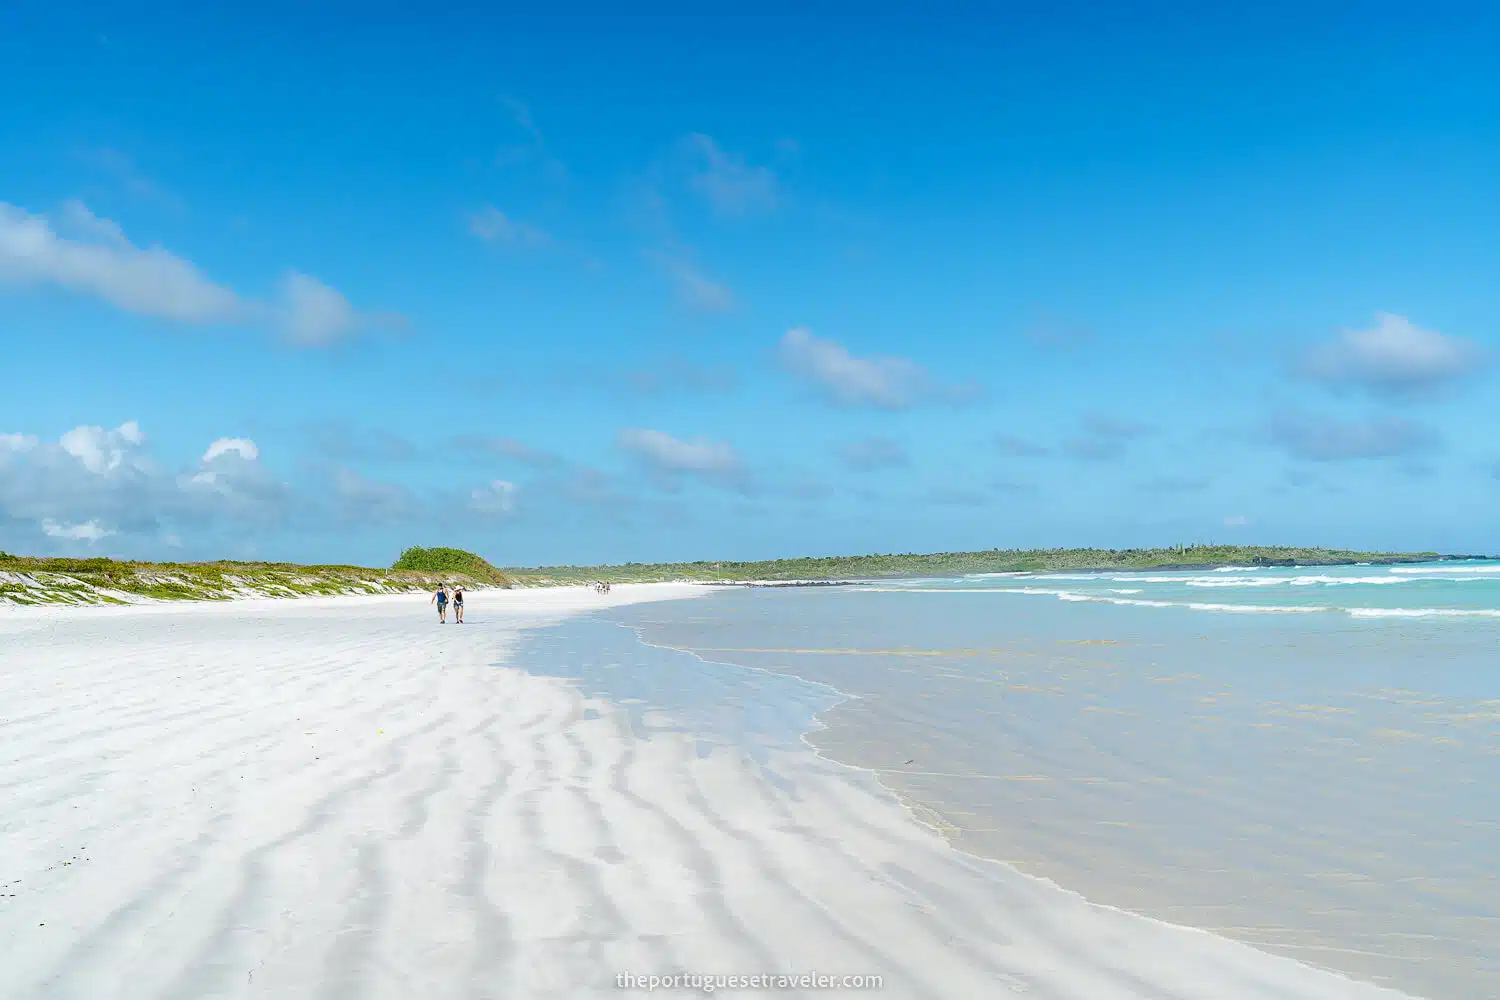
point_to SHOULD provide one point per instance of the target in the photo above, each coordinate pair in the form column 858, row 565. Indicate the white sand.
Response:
column 338, row 798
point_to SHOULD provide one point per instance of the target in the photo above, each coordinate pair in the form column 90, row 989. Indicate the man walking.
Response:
column 441, row 600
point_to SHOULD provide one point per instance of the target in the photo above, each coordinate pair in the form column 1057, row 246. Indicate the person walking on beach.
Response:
column 441, row 600
column 458, row 604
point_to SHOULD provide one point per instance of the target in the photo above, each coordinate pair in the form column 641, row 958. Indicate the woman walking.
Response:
column 458, row 603
column 441, row 600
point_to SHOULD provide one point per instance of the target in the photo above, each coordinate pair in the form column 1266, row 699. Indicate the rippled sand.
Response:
column 341, row 799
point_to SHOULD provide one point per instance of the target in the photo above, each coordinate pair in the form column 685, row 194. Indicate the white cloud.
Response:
column 882, row 382
column 77, row 216
column 729, row 184
column 243, row 447
column 102, row 451
column 312, row 313
column 230, row 470
column 494, row 226
column 670, row 458
column 1393, row 357
column 103, row 263
column 88, row 531
column 96, row 258
column 94, row 482
column 16, row 443
column 496, row 498
column 695, row 290
column 1236, row 521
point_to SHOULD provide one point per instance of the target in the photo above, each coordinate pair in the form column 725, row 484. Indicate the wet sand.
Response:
column 1315, row 790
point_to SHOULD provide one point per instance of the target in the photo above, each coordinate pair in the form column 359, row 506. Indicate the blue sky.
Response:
column 592, row 285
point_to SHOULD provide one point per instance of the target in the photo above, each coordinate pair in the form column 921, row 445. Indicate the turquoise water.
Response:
column 1433, row 590
column 1202, row 747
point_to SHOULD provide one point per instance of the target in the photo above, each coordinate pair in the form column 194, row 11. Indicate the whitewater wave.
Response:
column 1424, row 612
column 1117, row 597
column 1073, row 595
column 1314, row 581
column 1490, row 568
column 1230, row 582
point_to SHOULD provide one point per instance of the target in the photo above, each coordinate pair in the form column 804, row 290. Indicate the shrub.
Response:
column 445, row 560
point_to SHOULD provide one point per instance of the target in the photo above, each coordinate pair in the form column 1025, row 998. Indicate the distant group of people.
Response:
column 601, row 587
column 441, row 599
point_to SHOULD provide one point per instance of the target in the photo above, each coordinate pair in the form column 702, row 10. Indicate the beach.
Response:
column 341, row 798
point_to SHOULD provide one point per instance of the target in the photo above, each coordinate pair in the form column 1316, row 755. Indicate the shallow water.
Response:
column 1319, row 784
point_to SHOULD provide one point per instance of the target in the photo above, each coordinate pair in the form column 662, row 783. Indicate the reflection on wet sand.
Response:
column 1313, row 786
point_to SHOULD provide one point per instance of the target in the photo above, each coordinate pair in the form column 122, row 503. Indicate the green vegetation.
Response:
column 28, row 580
column 441, row 560
column 958, row 563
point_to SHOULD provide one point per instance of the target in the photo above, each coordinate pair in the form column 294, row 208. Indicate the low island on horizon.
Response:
column 100, row 580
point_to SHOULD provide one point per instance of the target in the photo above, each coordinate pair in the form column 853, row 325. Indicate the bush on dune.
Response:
column 446, row 560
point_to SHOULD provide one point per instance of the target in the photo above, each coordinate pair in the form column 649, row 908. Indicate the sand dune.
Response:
column 338, row 798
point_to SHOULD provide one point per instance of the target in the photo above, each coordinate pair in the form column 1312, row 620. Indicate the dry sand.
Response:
column 339, row 798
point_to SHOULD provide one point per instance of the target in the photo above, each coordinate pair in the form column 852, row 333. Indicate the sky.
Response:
column 317, row 282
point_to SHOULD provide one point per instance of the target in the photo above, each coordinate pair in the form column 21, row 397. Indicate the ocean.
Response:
column 1302, row 759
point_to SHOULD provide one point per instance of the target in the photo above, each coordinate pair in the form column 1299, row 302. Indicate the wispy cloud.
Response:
column 122, row 168
column 99, row 261
column 669, row 459
column 494, row 226
column 1102, row 438
column 885, row 383
column 726, row 181
column 1393, row 358
column 508, row 448
column 1176, row 484
column 1328, row 439
column 870, row 454
column 313, row 314
column 1057, row 334
column 360, row 499
column 92, row 256
column 695, row 290
column 343, row 442
column 678, row 375
column 958, row 497
column 534, row 149
column 1009, row 444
